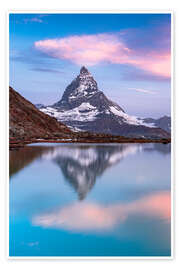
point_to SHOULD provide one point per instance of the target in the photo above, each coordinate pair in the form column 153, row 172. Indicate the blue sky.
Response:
column 128, row 55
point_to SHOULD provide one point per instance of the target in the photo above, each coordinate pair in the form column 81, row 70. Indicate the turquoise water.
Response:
column 90, row 200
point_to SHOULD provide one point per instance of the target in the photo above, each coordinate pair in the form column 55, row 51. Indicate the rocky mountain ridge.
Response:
column 162, row 122
column 26, row 121
column 83, row 107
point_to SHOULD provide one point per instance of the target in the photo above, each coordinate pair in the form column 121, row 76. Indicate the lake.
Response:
column 90, row 200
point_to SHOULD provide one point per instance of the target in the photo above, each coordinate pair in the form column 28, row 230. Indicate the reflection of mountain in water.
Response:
column 159, row 147
column 19, row 159
column 81, row 165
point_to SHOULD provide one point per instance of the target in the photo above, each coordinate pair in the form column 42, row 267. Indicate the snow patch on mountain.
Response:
column 151, row 125
column 87, row 112
column 81, row 91
column 129, row 119
column 84, row 112
column 86, row 106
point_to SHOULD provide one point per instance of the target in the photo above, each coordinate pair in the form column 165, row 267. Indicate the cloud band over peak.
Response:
column 106, row 48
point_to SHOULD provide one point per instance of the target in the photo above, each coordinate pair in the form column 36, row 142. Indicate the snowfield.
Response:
column 129, row 119
column 87, row 112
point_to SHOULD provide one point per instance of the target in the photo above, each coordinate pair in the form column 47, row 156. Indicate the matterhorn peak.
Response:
column 84, row 107
column 84, row 70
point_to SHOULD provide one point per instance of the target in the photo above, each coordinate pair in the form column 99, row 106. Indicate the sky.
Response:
column 129, row 55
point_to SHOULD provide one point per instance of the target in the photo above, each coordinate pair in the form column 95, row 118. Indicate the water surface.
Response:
column 90, row 200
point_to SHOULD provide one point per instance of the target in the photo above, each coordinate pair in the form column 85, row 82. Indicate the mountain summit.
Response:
column 83, row 107
column 84, row 70
column 81, row 89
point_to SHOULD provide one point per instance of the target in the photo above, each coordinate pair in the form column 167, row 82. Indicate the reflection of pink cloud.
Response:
column 79, row 216
column 94, row 49
column 154, row 205
column 87, row 216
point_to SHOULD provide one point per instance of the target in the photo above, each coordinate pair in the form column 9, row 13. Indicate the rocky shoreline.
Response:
column 19, row 143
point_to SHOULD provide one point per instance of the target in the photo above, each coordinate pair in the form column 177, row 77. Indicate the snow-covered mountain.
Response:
column 83, row 107
column 39, row 106
column 162, row 122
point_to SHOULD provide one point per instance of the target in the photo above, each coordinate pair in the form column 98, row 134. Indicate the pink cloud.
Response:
column 159, row 64
column 94, row 49
column 93, row 216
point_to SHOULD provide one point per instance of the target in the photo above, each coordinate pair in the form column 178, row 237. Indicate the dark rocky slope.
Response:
column 26, row 121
